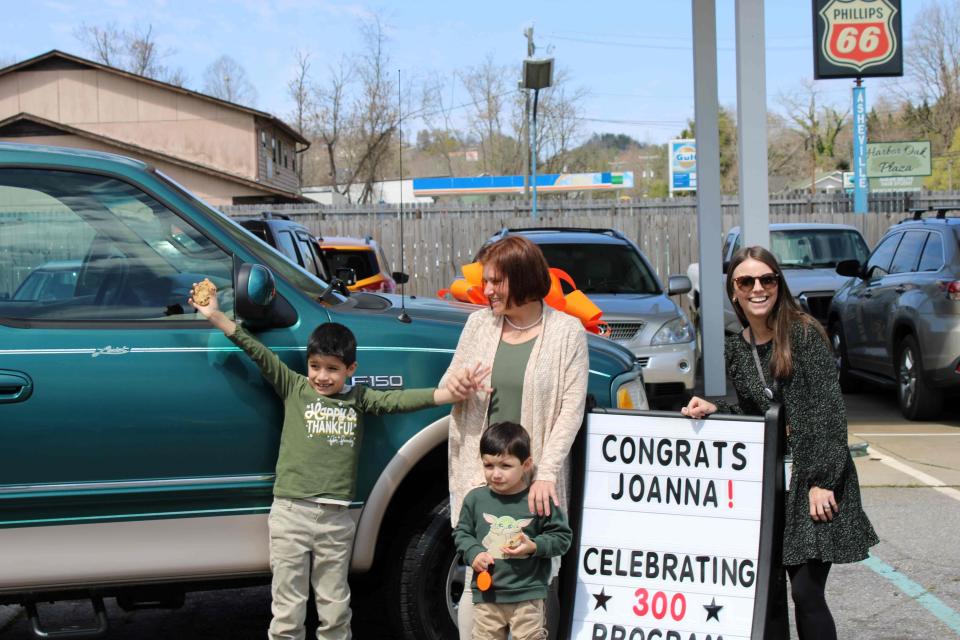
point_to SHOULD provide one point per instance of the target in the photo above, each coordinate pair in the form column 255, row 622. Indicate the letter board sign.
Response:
column 857, row 38
column 679, row 521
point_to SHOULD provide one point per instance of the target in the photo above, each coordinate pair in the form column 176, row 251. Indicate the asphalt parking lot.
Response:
column 910, row 588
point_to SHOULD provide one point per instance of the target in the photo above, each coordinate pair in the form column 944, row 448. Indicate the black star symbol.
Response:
column 602, row 599
column 713, row 609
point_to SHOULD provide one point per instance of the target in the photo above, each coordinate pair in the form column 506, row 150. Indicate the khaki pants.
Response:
column 466, row 615
column 522, row 620
column 310, row 543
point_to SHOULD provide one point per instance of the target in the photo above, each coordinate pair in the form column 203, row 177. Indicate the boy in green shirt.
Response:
column 508, row 547
column 311, row 530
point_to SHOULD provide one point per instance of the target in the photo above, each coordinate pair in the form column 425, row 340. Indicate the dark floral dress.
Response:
column 817, row 420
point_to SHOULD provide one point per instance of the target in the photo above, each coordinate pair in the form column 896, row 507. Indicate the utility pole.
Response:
column 531, row 48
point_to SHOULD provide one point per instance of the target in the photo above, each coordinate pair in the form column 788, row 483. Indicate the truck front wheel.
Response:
column 430, row 580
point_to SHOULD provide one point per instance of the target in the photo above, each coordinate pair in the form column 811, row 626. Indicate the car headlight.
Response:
column 673, row 332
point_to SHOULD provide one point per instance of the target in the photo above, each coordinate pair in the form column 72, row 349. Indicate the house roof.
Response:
column 29, row 124
column 55, row 59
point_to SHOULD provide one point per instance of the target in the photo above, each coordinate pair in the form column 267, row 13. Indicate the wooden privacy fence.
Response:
column 439, row 238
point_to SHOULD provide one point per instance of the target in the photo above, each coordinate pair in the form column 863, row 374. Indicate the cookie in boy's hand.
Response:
column 203, row 292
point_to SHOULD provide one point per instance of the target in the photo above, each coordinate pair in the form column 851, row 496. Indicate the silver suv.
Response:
column 617, row 277
column 897, row 322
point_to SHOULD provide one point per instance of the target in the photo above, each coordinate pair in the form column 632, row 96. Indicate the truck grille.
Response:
column 817, row 304
column 624, row 330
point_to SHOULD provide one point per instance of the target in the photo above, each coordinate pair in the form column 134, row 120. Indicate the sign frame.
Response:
column 685, row 179
column 873, row 173
column 770, row 606
column 830, row 56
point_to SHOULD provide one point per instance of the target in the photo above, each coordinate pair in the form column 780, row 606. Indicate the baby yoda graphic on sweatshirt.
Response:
column 490, row 521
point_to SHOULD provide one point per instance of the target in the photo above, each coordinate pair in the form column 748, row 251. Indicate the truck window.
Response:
column 82, row 247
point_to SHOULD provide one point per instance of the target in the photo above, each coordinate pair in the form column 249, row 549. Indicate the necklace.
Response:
column 524, row 328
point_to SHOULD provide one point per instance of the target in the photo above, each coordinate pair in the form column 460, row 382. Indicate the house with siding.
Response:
column 225, row 153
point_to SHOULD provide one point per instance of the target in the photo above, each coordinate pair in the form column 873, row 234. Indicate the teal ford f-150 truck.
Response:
column 137, row 444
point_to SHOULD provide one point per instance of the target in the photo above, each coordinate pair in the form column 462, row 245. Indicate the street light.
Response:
column 537, row 74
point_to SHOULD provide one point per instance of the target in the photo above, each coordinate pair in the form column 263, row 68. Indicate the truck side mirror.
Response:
column 850, row 268
column 400, row 277
column 255, row 292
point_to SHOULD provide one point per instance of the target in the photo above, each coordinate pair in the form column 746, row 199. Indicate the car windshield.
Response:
column 817, row 248
column 602, row 268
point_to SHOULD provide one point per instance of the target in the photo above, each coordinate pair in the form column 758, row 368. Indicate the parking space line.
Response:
column 912, row 435
column 916, row 591
column 930, row 481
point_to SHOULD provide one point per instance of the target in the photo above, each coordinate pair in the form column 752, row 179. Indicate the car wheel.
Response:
column 918, row 400
column 848, row 383
column 430, row 580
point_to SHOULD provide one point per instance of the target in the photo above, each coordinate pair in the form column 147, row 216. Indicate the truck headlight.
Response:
column 673, row 332
column 628, row 392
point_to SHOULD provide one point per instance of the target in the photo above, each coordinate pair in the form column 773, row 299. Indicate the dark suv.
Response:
column 290, row 238
column 897, row 321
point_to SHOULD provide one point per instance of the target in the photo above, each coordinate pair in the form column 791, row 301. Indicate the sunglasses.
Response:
column 768, row 281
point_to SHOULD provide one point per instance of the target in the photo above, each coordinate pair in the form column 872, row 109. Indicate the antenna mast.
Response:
column 403, row 317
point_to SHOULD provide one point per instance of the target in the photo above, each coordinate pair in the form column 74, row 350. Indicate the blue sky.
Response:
column 634, row 58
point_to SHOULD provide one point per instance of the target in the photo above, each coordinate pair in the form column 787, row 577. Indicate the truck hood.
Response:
column 605, row 355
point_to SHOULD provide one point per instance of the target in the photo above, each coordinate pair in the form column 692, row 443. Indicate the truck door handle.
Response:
column 14, row 386
column 900, row 289
column 868, row 294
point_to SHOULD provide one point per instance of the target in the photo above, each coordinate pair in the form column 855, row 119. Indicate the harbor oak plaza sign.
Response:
column 680, row 527
column 857, row 38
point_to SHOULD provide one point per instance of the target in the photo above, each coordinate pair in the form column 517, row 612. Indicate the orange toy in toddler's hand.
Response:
column 203, row 292
column 484, row 580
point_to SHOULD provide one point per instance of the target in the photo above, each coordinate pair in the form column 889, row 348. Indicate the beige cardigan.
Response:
column 552, row 404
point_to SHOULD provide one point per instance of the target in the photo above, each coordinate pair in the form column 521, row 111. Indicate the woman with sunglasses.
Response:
column 783, row 355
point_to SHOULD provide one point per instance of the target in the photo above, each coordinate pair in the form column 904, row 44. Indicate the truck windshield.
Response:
column 817, row 248
column 267, row 255
column 602, row 268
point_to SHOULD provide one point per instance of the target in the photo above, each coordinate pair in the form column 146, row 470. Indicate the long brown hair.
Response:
column 785, row 311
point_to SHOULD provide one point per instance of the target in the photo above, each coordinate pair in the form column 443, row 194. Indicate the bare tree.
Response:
column 226, row 79
column 134, row 51
column 817, row 126
column 490, row 89
column 561, row 107
column 328, row 118
column 934, row 62
column 298, row 88
column 443, row 139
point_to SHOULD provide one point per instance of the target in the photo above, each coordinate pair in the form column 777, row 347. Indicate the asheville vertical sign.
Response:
column 677, row 527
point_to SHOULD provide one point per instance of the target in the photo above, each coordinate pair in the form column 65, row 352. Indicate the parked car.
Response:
column 290, row 238
column 897, row 321
column 139, row 444
column 808, row 254
column 614, row 273
column 361, row 263
column 52, row 280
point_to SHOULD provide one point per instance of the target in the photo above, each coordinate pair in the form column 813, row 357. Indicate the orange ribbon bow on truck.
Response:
column 575, row 303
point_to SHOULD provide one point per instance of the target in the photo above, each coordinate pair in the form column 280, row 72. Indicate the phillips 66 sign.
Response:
column 857, row 38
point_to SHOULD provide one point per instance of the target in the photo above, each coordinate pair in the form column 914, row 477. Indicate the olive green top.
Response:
column 509, row 365
column 817, row 420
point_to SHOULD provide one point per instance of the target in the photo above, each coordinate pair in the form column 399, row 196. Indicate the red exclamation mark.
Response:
column 730, row 493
